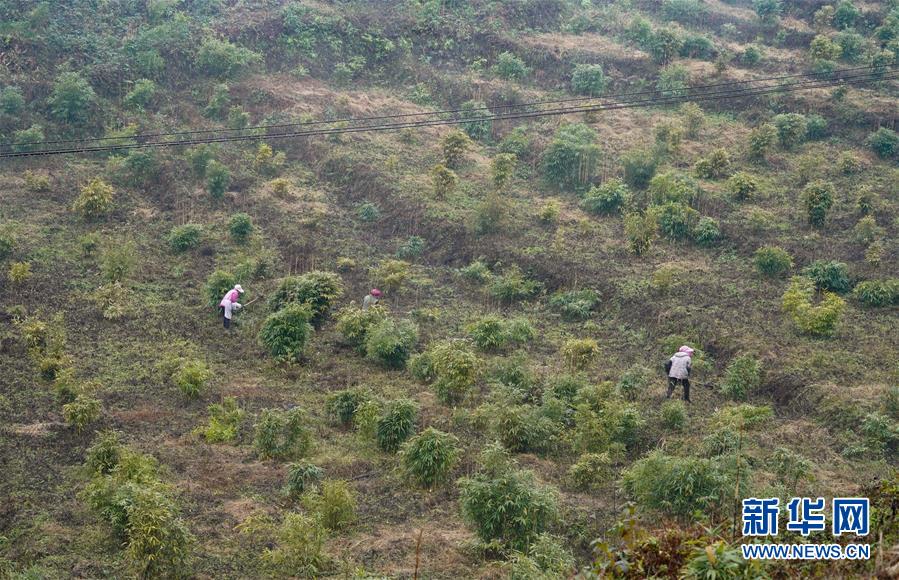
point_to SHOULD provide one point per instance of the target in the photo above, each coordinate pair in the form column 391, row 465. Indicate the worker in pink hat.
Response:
column 678, row 369
column 230, row 303
column 371, row 298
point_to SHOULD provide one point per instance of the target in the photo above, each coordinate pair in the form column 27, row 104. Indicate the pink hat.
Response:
column 686, row 349
column 375, row 292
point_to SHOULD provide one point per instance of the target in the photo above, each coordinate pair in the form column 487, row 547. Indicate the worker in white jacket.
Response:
column 229, row 304
column 678, row 367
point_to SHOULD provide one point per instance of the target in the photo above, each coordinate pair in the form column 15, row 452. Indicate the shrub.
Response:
column 832, row 276
column 760, row 140
column 217, row 284
column 677, row 485
column 353, row 323
column 505, row 503
column 768, row 11
column 772, row 261
column 502, row 169
column 641, row 229
column 817, row 320
column 224, row 421
column 140, row 95
column 683, row 11
column 639, row 167
column 391, row 274
column 301, row 477
column 715, row 166
column 222, row 59
column 569, row 161
column 603, row 424
column 744, row 416
column 241, row 227
column 81, row 412
column 818, row 198
column 672, row 186
column 549, row 213
column 752, row 55
column 608, row 198
column 396, row 424
column 790, row 467
column 744, row 376
column 455, row 145
column 430, row 457
column 191, row 378
column 283, row 435
column 884, row 142
column 19, row 272
column 591, row 471
column 693, row 119
column 815, row 127
column 575, row 305
column 71, row 99
column 182, row 238
column 674, row 415
column 317, row 290
column 389, row 342
column 673, row 81
column 823, row 49
column 118, row 261
column 845, row 15
column 880, row 433
column 633, row 382
column 547, row 557
column 342, row 405
column 718, row 560
column 444, row 181
column 512, row 286
column 479, row 126
column 454, row 368
column 334, row 505
column 28, row 139
column 579, row 353
column 743, row 186
column 7, row 243
column 588, row 79
column 299, row 546
column 510, row 67
column 95, row 200
column 664, row 45
column 707, row 233
column 11, row 100
column 104, row 453
column 218, row 178
column 676, row 221
column 284, row 333
column 368, row 212
column 866, row 231
column 791, row 129
column 488, row 332
column 877, row 293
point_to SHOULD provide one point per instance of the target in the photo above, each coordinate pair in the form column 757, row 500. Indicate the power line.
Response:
column 674, row 99
column 615, row 96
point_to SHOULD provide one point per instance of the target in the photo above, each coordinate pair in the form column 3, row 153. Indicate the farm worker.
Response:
column 371, row 298
column 678, row 368
column 229, row 303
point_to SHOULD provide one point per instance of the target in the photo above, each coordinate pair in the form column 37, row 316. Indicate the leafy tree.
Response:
column 641, row 229
column 683, row 11
column 818, row 198
column 502, row 168
column 284, row 333
column 95, row 200
column 768, row 11
column 760, row 141
column 334, row 504
column 218, row 178
column 884, row 142
column 510, row 67
column 579, row 353
column 588, row 79
column 28, row 139
column 71, row 99
column 455, row 145
column 743, row 186
column 845, row 15
column 219, row 103
column 664, row 45
column 430, row 457
column 454, row 368
column 302, row 476
column 222, row 59
column 217, row 284
column 569, row 161
column 877, row 293
column 715, row 166
column 791, row 129
column 396, row 424
column 823, row 48
column 224, row 421
column 610, row 197
column 317, row 290
column 81, row 412
column 707, row 232
column 772, row 261
column 673, row 81
column 676, row 220
column 353, row 323
column 390, row 342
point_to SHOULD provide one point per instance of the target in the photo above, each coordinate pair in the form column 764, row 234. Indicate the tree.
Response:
column 588, row 79
column 444, row 181
column 760, row 140
column 510, row 67
column 95, row 200
column 884, row 142
column 222, row 59
column 140, row 95
column 610, row 197
column 11, row 100
column 673, row 81
column 791, row 129
column 477, row 125
column 284, row 333
column 502, row 168
column 218, row 178
column 818, row 198
column 569, row 161
column 664, row 45
column 317, row 290
column 768, row 11
column 430, row 456
column 819, row 319
column 71, row 99
column 455, row 145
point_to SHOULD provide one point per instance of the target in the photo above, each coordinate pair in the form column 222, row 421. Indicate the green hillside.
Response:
column 501, row 412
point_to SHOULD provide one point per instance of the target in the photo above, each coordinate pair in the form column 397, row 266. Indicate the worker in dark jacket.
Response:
column 678, row 369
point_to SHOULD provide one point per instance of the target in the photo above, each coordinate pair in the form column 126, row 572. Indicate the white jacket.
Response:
column 680, row 366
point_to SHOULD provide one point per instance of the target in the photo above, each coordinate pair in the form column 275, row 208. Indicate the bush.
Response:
column 455, row 370
column 677, row 486
column 455, row 145
column 224, row 422
column 391, row 274
column 72, row 99
column 220, row 58
column 683, row 11
column 444, row 181
column 884, row 142
column 81, row 412
column 877, row 293
column 510, row 67
column 743, row 376
column 547, row 557
column 791, row 129
column 389, row 342
column 752, row 55
column 396, row 424
column 430, row 457
column 743, row 416
column 633, row 382
column 707, row 233
column 579, row 353
column 588, row 80
column 815, row 127
column 104, row 454
column 217, row 284
column 719, row 560
column 676, row 221
column 715, row 166
column 866, row 231
column 479, row 126
column 317, row 290
column 591, row 471
column 818, row 198
column 342, row 405
column 118, row 261
column 284, row 333
column 301, row 477
column 743, row 186
column 505, row 503
column 845, row 15
column 512, row 286
column 641, row 229
column 283, row 435
column 19, row 272
column 353, row 324
column 183, row 238
column 140, row 95
column 760, row 140
column 299, row 546
column 772, row 261
column 768, row 11
column 818, row 320
column 664, row 45
column 832, row 276
column 604, row 424
column 608, row 198
column 674, row 415
column 488, row 332
column 95, row 200
column 368, row 212
column 334, row 506
column 673, row 81
column 28, row 139
column 218, row 178
column 191, row 378
column 241, row 227
column 7, row 243
column 11, row 100
column 575, row 305
column 823, row 50
column 502, row 169
column 639, row 167
column 569, row 161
